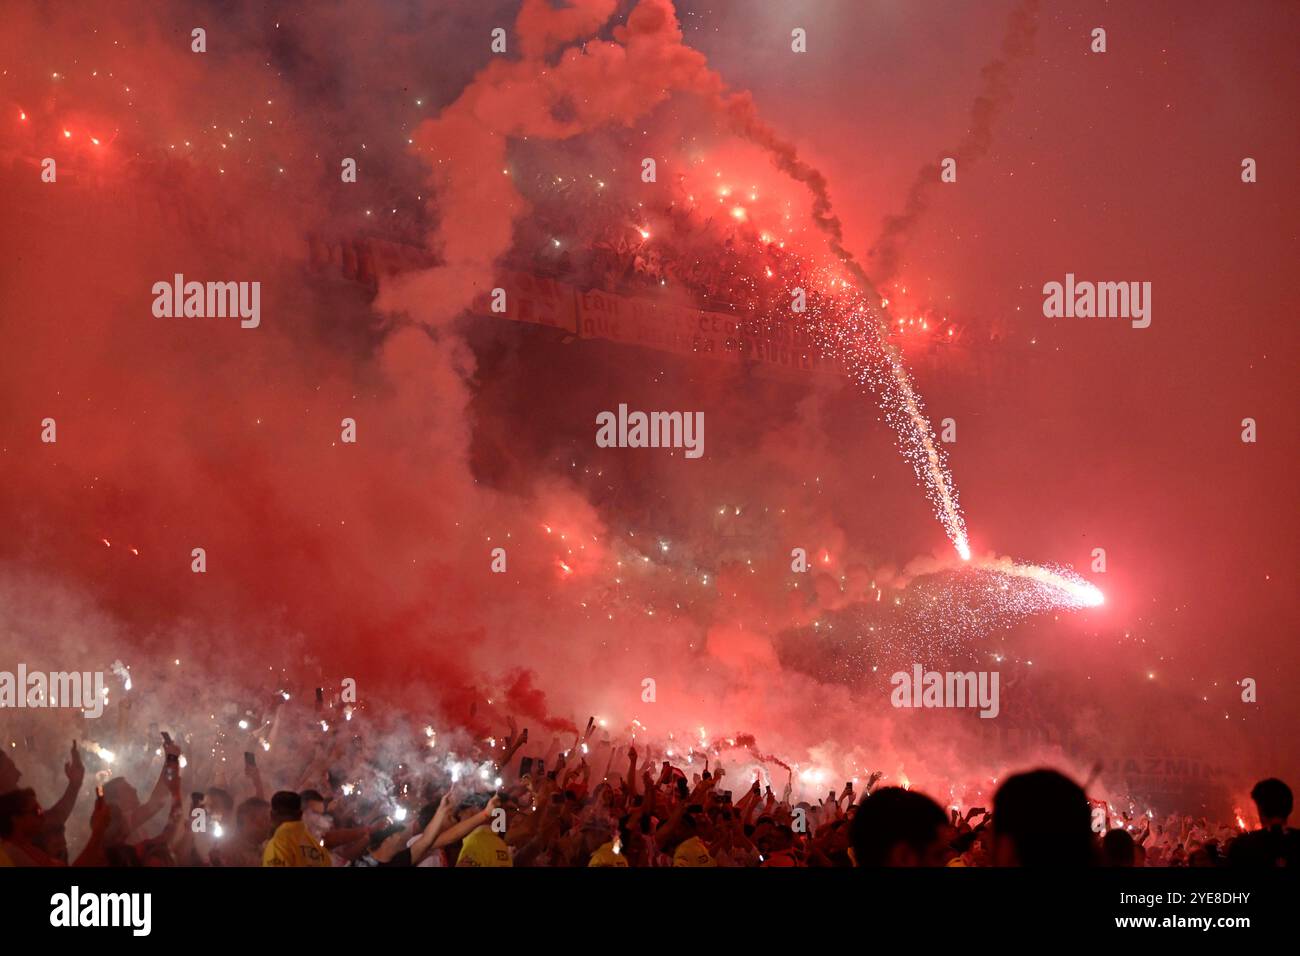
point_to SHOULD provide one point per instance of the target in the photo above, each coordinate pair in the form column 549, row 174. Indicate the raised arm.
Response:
column 631, row 771
column 467, row 826
column 58, row 814
column 425, row 842
column 93, row 854
column 512, row 745
column 162, row 789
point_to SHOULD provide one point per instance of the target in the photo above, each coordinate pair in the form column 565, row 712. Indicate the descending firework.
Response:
column 1061, row 586
column 940, row 614
column 871, row 360
column 902, row 406
column 854, row 329
column 988, row 596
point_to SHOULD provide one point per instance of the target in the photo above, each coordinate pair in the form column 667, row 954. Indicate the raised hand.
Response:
column 74, row 769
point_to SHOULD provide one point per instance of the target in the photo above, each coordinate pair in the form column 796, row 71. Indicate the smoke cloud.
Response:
column 328, row 560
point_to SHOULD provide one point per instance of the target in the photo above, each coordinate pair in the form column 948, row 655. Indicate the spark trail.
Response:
column 848, row 327
column 874, row 360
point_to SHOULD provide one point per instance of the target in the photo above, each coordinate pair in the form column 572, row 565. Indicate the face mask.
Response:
column 318, row 823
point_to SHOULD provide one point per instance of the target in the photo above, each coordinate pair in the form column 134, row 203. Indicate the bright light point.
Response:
column 1094, row 597
column 963, row 549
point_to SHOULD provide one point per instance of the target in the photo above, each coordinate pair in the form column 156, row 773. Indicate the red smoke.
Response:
column 328, row 560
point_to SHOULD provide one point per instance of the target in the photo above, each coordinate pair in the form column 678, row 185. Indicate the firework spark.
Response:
column 848, row 326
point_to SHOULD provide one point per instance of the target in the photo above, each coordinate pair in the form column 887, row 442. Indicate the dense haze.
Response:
column 371, row 560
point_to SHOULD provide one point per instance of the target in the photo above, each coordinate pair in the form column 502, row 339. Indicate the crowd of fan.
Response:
column 555, row 811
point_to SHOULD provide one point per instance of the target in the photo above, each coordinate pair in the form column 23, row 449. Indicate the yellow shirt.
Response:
column 293, row 845
column 693, row 852
column 605, row 856
column 482, row 847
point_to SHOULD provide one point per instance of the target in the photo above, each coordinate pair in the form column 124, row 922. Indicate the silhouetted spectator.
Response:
column 897, row 827
column 1275, row 844
column 1117, row 848
column 1041, row 818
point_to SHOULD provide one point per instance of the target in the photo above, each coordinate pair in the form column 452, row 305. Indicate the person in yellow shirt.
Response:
column 292, row 844
column 609, row 853
column 693, row 852
column 483, row 847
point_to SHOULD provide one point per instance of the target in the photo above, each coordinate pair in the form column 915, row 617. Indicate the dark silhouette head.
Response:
column 286, row 806
column 1273, row 801
column 897, row 827
column 1041, row 818
column 1118, row 848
